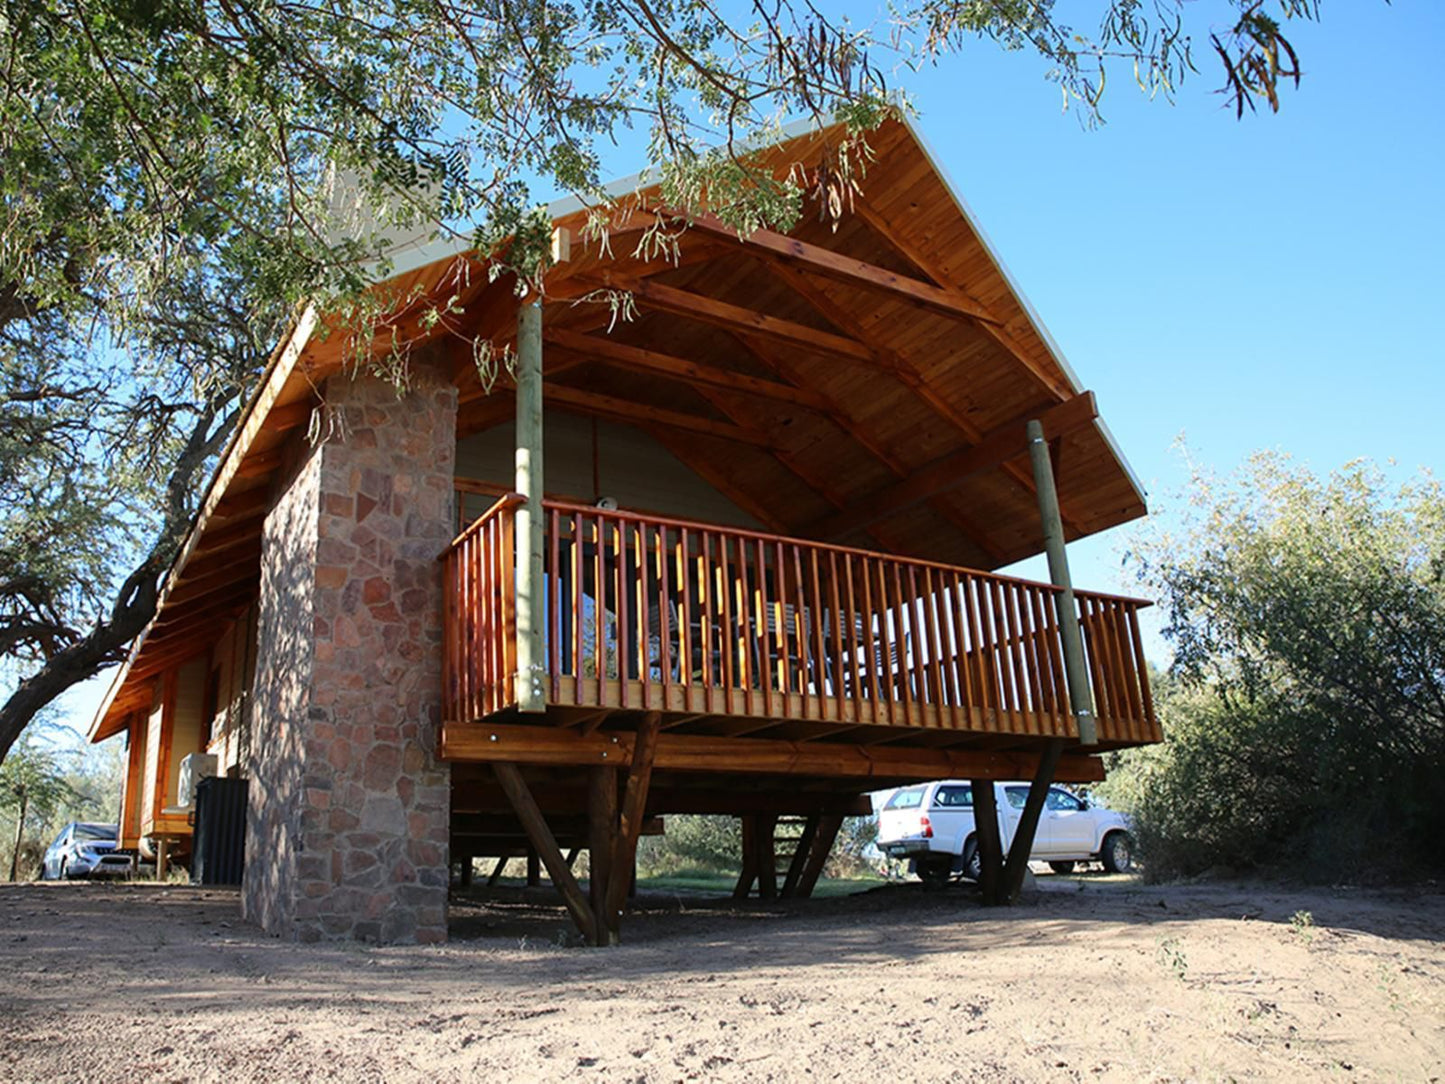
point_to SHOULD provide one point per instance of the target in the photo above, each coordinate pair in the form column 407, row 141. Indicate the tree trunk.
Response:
column 19, row 835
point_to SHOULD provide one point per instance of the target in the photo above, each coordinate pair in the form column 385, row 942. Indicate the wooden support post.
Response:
column 1076, row 673
column 822, row 847
column 465, row 879
column 531, row 615
column 749, row 873
column 602, row 840
column 497, row 871
column 766, row 855
column 800, row 857
column 572, row 856
column 534, row 868
column 544, row 844
column 163, row 849
column 1023, row 841
column 987, row 839
column 629, row 821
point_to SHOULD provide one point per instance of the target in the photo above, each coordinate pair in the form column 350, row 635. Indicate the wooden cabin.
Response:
column 732, row 555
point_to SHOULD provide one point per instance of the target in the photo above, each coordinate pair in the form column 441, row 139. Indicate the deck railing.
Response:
column 645, row 612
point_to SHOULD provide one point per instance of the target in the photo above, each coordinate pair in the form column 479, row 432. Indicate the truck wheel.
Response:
column 1062, row 867
column 972, row 860
column 935, row 872
column 1117, row 853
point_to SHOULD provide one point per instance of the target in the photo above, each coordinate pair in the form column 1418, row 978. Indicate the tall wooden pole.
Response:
column 1076, row 673
column 531, row 617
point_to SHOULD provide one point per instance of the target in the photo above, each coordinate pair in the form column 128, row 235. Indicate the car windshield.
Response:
column 95, row 831
column 907, row 798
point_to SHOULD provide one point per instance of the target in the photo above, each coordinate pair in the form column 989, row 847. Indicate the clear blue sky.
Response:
column 1267, row 283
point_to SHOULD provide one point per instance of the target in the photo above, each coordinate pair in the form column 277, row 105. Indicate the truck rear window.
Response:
column 954, row 797
column 907, row 798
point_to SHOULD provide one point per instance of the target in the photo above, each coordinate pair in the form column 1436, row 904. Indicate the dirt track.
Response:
column 1111, row 982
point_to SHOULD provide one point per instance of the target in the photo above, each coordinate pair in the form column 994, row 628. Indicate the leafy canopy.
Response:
column 177, row 176
column 1305, row 718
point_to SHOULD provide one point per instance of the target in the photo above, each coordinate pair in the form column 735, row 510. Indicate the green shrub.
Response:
column 1305, row 718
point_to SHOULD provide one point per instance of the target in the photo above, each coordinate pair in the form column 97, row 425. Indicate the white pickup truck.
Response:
column 932, row 825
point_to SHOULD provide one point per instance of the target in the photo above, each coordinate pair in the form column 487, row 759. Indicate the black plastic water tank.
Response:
column 219, row 842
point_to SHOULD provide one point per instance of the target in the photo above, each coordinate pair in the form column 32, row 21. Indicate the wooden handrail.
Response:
column 502, row 503
column 655, row 612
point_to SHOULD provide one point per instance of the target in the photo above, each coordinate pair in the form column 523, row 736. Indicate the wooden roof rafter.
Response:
column 996, row 329
column 859, row 433
column 948, row 472
column 838, row 313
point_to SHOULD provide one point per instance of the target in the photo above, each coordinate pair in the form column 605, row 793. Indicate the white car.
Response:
column 932, row 825
column 84, row 850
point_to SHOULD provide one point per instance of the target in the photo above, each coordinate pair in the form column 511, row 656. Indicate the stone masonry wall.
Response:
column 349, row 806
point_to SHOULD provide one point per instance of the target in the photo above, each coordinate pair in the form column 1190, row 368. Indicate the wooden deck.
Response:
column 729, row 633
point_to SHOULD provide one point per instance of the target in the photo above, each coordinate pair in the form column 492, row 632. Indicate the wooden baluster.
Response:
column 644, row 618
column 1003, row 655
column 874, row 658
column 1128, row 690
column 761, row 634
column 902, row 637
column 839, row 617
column 599, row 608
column 554, row 604
column 729, row 632
column 707, row 581
column 1048, row 658
column 780, row 633
column 624, row 645
column 820, row 645
column 684, row 629
column 941, row 697
column 1091, row 653
column 800, row 625
column 509, row 608
column 984, row 601
column 577, row 568
column 952, row 600
column 1149, row 728
column 1029, row 653
column 855, row 618
column 666, row 615
column 923, row 648
column 743, row 634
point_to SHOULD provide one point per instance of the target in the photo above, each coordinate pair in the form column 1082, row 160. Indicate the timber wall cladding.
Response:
column 350, row 809
column 632, row 468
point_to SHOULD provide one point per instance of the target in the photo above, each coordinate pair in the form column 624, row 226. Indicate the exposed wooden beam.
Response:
column 282, row 418
column 545, row 844
column 543, row 745
column 628, row 410
column 709, row 310
column 839, row 314
column 238, row 504
column 844, row 420
column 630, row 816
column 635, row 357
column 950, row 471
column 929, row 266
column 835, row 265
column 705, row 468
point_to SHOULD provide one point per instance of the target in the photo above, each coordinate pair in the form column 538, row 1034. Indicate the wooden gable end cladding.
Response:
column 810, row 379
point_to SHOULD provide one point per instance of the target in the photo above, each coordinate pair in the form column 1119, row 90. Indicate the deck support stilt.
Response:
column 1023, row 842
column 534, row 868
column 765, row 855
column 464, row 875
column 828, row 827
column 544, row 845
column 602, row 841
column 987, row 838
column 800, row 857
column 629, row 822
column 749, row 871
column 497, row 872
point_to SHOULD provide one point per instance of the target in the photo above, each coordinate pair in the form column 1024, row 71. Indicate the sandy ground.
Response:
column 1104, row 981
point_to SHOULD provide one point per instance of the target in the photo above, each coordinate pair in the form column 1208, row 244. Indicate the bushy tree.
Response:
column 179, row 176
column 1305, row 715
